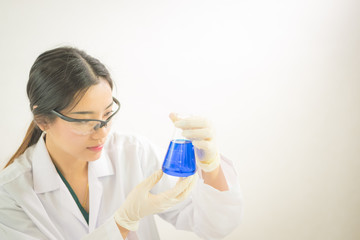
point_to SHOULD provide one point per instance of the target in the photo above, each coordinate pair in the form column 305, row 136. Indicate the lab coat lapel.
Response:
column 95, row 200
column 69, row 203
column 46, row 179
column 97, row 169
column 45, row 176
column 30, row 203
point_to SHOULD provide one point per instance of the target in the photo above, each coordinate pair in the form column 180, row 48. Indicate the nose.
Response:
column 100, row 132
column 100, row 125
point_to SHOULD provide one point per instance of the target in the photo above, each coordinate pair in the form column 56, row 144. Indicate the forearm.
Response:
column 216, row 179
column 124, row 232
column 216, row 211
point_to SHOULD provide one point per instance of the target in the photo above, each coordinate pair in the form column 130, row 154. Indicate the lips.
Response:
column 96, row 148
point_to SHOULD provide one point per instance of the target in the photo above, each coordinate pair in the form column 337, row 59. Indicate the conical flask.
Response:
column 180, row 158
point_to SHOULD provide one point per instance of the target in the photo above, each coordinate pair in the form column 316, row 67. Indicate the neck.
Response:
column 73, row 170
column 69, row 167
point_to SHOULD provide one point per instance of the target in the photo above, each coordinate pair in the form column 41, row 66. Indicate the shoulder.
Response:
column 20, row 167
column 132, row 151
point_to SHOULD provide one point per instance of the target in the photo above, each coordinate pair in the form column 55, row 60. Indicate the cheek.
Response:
column 70, row 140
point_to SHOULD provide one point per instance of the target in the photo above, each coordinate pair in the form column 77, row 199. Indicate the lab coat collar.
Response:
column 46, row 179
column 97, row 169
column 44, row 172
column 103, row 166
column 45, row 176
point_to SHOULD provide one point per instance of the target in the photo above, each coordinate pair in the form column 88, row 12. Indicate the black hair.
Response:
column 57, row 80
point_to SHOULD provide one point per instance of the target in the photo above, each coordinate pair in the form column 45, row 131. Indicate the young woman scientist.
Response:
column 73, row 178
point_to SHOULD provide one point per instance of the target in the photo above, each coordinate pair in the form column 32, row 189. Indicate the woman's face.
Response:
column 65, row 143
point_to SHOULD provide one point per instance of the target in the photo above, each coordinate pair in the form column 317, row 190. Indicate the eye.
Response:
column 82, row 122
column 108, row 114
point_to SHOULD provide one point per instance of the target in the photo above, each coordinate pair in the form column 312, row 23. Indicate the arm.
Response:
column 215, row 208
column 216, row 179
column 210, row 213
column 15, row 223
column 124, row 232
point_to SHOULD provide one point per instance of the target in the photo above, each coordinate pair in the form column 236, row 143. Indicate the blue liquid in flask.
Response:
column 180, row 159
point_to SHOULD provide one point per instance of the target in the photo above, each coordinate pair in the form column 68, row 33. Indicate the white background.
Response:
column 279, row 79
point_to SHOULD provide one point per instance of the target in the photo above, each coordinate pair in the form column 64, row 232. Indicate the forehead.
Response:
column 96, row 98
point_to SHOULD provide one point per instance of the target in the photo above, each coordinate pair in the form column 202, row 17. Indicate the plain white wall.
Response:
column 279, row 79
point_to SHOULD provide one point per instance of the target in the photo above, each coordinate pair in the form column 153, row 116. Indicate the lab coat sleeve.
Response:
column 15, row 223
column 107, row 231
column 210, row 213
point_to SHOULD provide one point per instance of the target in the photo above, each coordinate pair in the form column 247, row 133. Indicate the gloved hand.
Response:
column 140, row 202
column 200, row 132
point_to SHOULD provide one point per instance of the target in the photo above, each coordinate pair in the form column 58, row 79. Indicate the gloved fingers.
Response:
column 198, row 134
column 162, row 202
column 174, row 117
column 153, row 179
column 203, row 144
column 193, row 122
column 181, row 185
column 170, row 198
column 187, row 191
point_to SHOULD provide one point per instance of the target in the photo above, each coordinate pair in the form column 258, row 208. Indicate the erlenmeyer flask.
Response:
column 180, row 158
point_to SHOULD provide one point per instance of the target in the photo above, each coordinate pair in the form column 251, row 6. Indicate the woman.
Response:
column 72, row 178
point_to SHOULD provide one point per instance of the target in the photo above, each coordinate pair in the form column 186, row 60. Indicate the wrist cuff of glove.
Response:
column 125, row 222
column 208, row 166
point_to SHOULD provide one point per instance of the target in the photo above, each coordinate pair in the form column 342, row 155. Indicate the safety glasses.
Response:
column 89, row 126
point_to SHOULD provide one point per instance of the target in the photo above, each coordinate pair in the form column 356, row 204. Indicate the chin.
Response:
column 93, row 157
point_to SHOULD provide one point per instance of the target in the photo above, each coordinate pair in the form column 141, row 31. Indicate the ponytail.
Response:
column 32, row 136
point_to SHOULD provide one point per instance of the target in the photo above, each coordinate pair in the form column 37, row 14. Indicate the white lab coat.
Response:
column 36, row 204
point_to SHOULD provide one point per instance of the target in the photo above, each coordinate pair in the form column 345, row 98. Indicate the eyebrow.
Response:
column 90, row 112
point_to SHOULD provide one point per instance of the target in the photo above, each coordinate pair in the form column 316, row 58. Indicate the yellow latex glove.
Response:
column 200, row 132
column 140, row 202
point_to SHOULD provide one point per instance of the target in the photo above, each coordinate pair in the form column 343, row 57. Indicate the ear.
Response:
column 41, row 122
